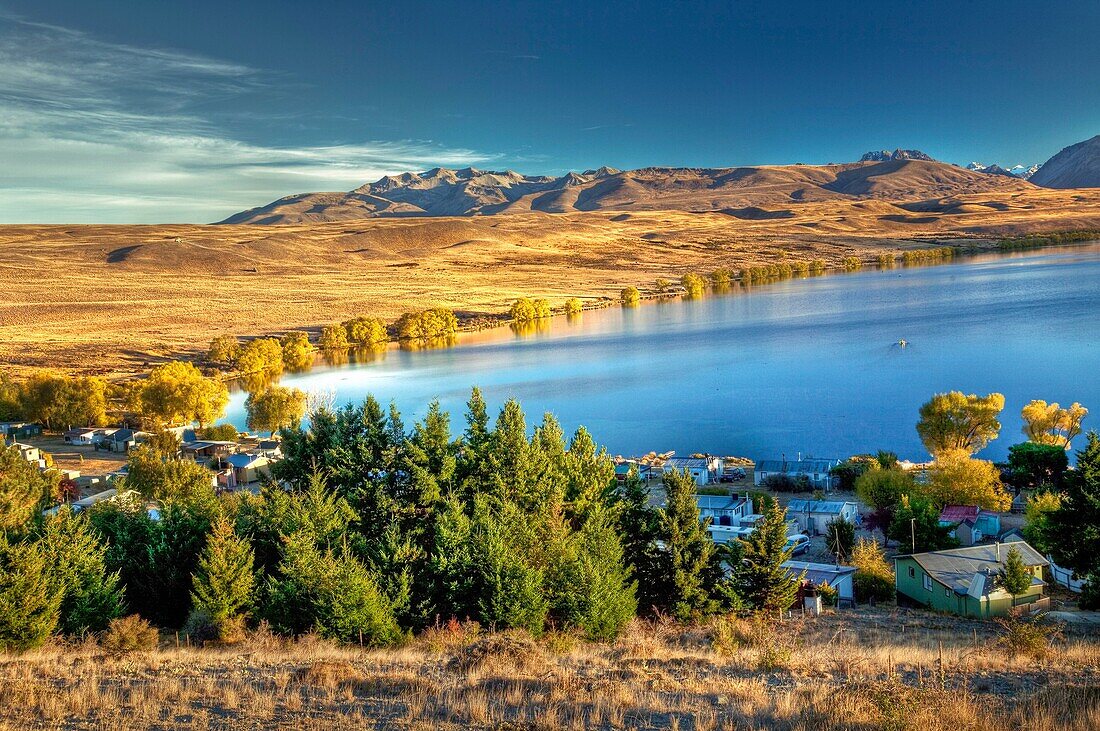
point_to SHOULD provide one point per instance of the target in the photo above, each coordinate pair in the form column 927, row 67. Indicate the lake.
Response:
column 808, row 366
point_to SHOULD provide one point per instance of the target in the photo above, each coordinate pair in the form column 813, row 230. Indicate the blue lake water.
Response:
column 809, row 365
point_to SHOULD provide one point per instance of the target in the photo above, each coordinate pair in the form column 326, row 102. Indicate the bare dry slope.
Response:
column 110, row 298
column 442, row 192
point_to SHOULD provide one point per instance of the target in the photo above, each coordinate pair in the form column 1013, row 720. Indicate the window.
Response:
column 946, row 591
column 927, row 583
column 912, row 573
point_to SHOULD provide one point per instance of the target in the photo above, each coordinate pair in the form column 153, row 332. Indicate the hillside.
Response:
column 120, row 297
column 1077, row 166
column 902, row 175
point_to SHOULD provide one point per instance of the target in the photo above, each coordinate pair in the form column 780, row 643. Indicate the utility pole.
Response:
column 913, row 533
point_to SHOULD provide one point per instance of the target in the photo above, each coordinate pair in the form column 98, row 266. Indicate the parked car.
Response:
column 799, row 544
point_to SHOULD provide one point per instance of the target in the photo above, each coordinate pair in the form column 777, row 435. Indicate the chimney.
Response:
column 998, row 551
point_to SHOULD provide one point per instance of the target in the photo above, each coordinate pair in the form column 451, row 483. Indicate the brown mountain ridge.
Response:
column 471, row 192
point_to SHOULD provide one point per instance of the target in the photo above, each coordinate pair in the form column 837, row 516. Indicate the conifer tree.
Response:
column 29, row 601
column 23, row 489
column 691, row 560
column 1015, row 576
column 222, row 584
column 508, row 588
column 590, row 477
column 1075, row 525
column 640, row 527
column 91, row 596
column 329, row 592
column 763, row 582
column 451, row 566
column 473, row 457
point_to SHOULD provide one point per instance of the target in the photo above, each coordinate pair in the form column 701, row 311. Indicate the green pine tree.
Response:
column 1015, row 575
column 640, row 527
column 1075, row 525
column 763, row 582
column 91, row 596
column 222, row 584
column 30, row 601
column 508, row 586
column 691, row 562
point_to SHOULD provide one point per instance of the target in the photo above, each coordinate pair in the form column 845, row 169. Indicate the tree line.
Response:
column 369, row 531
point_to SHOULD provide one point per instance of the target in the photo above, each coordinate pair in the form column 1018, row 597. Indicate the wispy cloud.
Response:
column 97, row 131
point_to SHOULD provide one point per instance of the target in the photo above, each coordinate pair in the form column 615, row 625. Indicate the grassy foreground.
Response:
column 868, row 669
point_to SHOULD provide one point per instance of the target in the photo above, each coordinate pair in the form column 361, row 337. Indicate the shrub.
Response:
column 829, row 594
column 786, row 483
column 297, row 352
column 1032, row 638
column 630, row 297
column 721, row 277
column 886, row 261
column 662, row 285
column 129, row 634
column 1090, row 593
column 800, row 268
column 817, row 266
column 874, row 578
column 852, row 263
column 573, row 306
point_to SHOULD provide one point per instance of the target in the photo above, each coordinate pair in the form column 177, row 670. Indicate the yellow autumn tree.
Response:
column 955, row 421
column 955, row 478
column 1051, row 424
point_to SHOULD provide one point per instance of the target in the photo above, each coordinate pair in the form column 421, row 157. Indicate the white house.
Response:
column 816, row 471
column 85, row 436
column 813, row 516
column 838, row 577
column 728, row 533
column 724, row 510
column 703, row 470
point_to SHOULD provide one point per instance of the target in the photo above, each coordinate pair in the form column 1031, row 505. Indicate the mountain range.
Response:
column 743, row 192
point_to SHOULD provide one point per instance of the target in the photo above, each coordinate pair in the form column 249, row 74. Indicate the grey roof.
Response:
column 818, row 572
column 718, row 502
column 122, row 435
column 681, row 463
column 243, row 461
column 958, row 567
column 796, row 467
column 827, row 507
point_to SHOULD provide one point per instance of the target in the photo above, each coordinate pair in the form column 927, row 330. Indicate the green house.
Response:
column 966, row 581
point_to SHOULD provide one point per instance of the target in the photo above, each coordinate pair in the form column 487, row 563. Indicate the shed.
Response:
column 816, row 471
column 727, row 510
column 838, row 577
column 703, row 470
column 248, row 467
column 813, row 516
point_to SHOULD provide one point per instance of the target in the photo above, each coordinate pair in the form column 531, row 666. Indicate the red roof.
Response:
column 958, row 513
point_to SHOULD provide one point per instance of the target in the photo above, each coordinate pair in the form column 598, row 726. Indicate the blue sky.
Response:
column 157, row 111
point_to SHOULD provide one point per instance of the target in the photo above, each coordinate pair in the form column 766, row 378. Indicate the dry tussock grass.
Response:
column 843, row 674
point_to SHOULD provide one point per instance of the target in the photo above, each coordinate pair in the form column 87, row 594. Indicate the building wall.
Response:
column 944, row 599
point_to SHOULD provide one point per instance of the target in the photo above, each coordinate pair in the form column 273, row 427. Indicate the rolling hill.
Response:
column 901, row 176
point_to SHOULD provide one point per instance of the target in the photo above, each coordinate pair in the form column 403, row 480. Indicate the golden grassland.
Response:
column 862, row 670
column 110, row 299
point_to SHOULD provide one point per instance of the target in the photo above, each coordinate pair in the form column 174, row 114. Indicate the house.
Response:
column 813, row 516
column 838, row 577
column 815, row 471
column 202, row 451
column 727, row 510
column 123, row 440
column 29, row 452
column 19, row 429
column 83, row 436
column 728, row 533
column 965, row 581
column 249, row 467
column 272, row 448
column 703, row 470
column 970, row 523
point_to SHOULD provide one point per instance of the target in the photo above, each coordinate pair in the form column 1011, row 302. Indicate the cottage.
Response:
column 813, row 516
column 814, row 471
column 123, row 440
column 248, row 467
column 82, row 437
column 965, row 581
column 622, row 470
column 837, row 577
column 703, row 470
column 724, row 509
column 728, row 533
column 970, row 524
column 202, row 451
